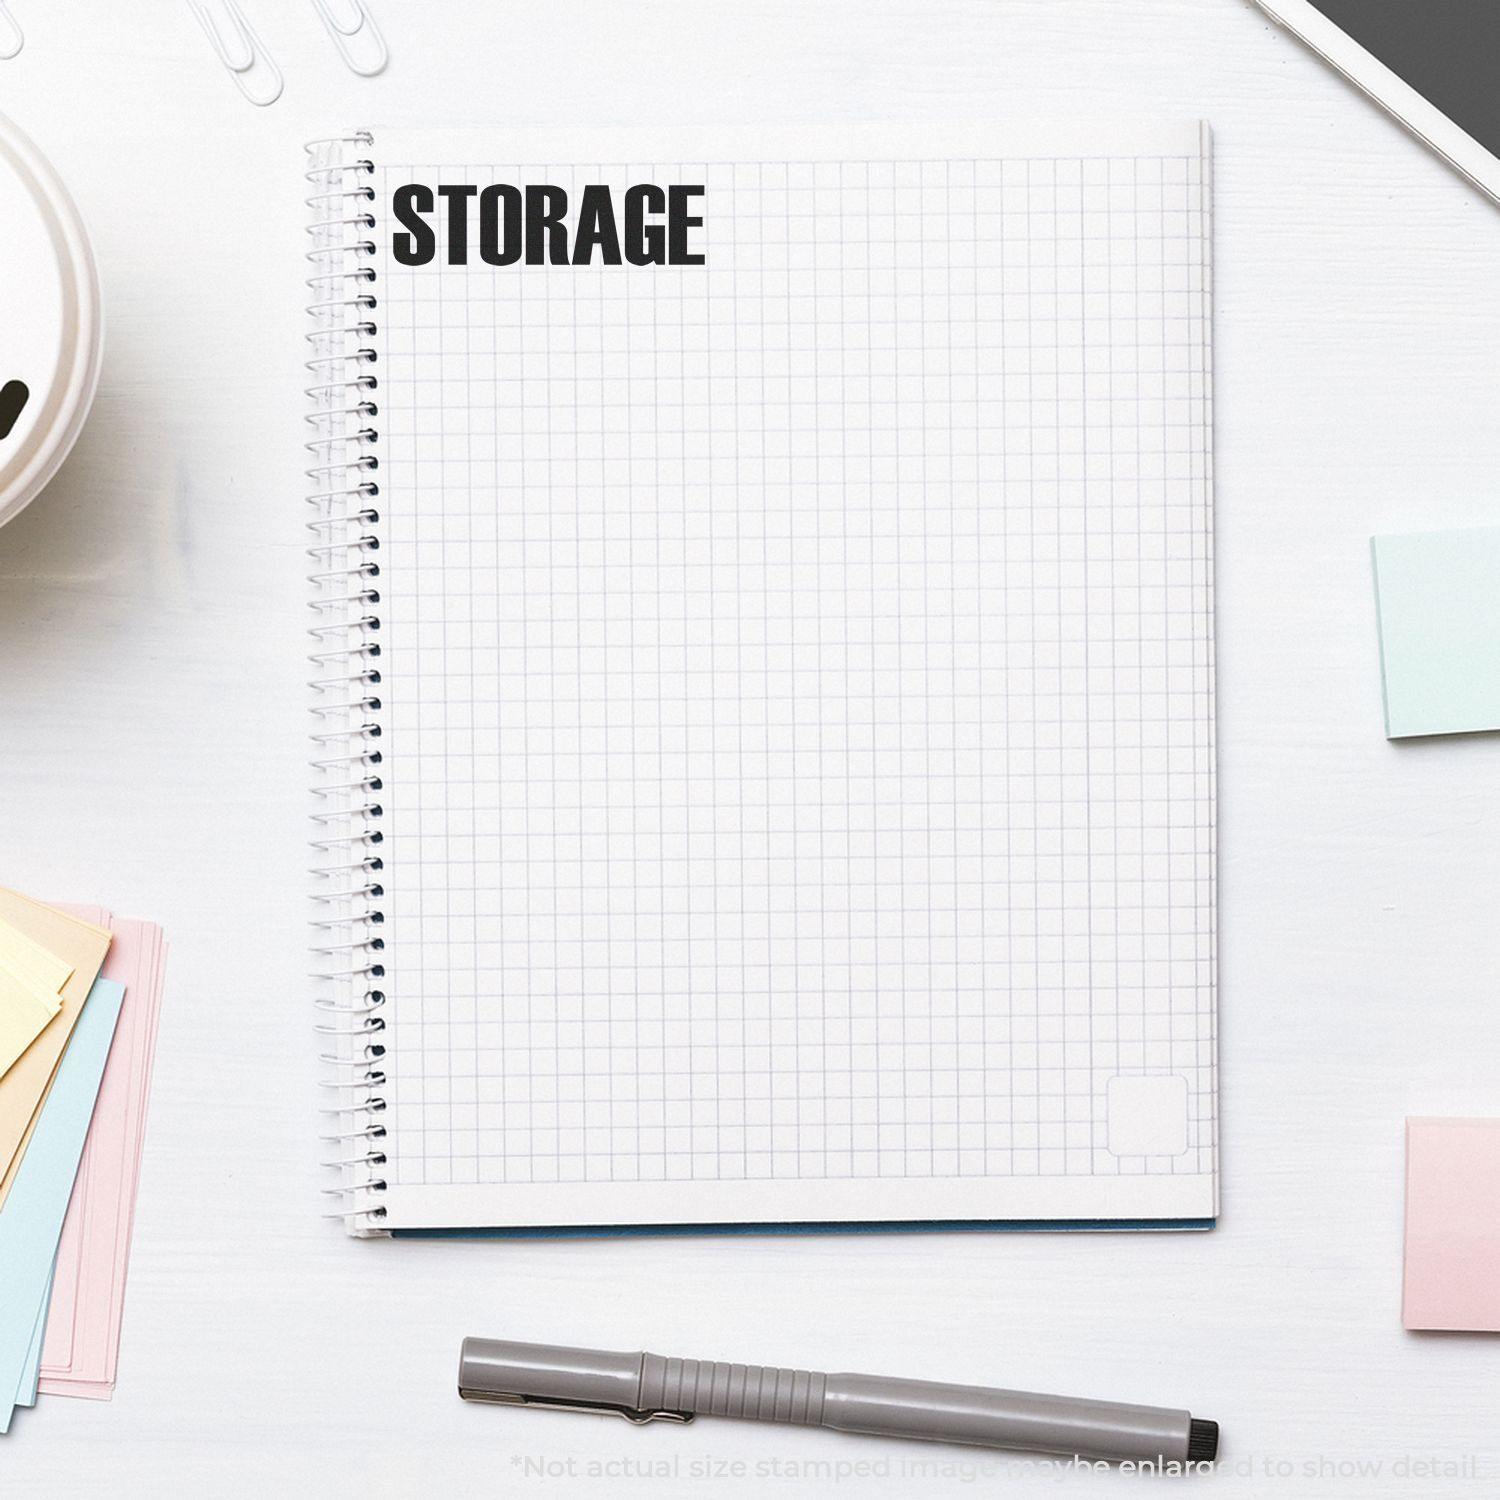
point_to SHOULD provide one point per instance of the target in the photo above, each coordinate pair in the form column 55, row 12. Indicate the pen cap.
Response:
column 500, row 1369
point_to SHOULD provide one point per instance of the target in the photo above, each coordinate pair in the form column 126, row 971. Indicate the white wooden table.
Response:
column 151, row 759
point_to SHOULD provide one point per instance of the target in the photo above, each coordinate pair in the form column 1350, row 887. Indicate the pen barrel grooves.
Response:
column 758, row 1393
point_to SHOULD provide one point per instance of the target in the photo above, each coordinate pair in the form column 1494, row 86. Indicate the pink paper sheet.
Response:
column 80, row 1353
column 1452, row 1275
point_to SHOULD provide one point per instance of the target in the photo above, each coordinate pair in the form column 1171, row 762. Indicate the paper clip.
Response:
column 362, row 26
column 12, row 39
column 241, row 58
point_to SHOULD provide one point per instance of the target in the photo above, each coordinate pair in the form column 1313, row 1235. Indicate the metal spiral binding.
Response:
column 343, row 548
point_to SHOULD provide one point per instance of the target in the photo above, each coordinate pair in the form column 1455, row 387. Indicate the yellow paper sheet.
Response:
column 25, row 1009
column 29, row 960
column 82, row 946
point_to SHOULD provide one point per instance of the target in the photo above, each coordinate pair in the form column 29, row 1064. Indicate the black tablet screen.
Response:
column 1447, row 50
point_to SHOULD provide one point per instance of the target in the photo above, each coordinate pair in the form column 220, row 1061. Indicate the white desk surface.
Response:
column 152, row 760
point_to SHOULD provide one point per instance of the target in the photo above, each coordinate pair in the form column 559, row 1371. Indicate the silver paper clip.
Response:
column 246, row 57
column 12, row 39
column 372, row 54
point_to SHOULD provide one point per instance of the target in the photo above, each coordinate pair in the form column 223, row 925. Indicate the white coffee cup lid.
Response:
column 49, row 310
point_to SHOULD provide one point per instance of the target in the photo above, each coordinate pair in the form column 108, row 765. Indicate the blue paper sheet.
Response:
column 32, row 1219
column 31, row 1373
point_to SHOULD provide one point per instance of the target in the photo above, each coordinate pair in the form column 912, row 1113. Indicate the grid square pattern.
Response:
column 799, row 680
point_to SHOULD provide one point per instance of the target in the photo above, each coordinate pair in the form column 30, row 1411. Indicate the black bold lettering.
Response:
column 458, row 196
column 531, row 222
column 645, row 244
column 596, row 226
column 500, row 207
column 419, row 244
column 546, row 234
column 678, row 224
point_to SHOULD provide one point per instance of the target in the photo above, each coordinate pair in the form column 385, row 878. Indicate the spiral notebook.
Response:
column 765, row 693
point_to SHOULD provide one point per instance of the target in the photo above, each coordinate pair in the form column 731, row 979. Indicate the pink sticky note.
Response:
column 1452, row 1225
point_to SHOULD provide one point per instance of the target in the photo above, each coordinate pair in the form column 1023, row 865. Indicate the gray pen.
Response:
column 646, row 1387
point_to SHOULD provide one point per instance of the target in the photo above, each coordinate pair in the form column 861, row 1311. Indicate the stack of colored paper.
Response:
column 80, row 993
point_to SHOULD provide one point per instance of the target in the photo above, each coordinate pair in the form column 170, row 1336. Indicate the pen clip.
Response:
column 518, row 1398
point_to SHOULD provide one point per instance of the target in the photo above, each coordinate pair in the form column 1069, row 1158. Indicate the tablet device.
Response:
column 1434, row 64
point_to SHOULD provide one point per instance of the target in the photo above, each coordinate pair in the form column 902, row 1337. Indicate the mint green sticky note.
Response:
column 1437, row 598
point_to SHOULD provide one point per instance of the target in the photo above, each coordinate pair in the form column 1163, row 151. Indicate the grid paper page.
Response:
column 798, row 679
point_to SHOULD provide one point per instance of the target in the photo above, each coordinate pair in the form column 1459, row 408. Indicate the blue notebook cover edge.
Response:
column 876, row 1226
